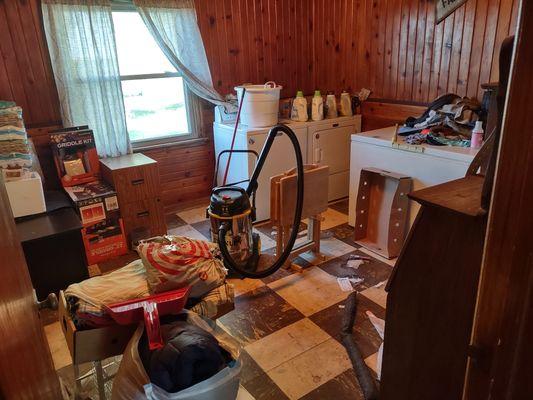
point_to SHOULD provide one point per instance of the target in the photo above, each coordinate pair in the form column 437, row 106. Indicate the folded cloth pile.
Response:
column 190, row 355
column 449, row 118
column 198, row 267
column 87, row 298
column 14, row 148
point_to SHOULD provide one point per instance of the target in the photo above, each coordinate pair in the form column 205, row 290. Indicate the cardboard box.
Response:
column 26, row 195
column 75, row 155
column 95, row 201
column 104, row 240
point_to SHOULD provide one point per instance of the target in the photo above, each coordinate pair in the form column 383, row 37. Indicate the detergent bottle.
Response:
column 346, row 104
column 299, row 108
column 317, row 107
column 331, row 103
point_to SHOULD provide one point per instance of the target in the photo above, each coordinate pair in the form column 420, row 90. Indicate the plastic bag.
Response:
column 173, row 262
column 132, row 382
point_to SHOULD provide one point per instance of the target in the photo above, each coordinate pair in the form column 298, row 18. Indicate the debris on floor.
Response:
column 356, row 281
column 345, row 284
column 379, row 326
column 354, row 264
column 355, row 261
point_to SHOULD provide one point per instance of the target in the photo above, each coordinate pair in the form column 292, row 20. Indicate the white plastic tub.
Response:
column 260, row 107
column 132, row 381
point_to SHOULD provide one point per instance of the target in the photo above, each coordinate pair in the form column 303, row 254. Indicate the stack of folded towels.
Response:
column 14, row 148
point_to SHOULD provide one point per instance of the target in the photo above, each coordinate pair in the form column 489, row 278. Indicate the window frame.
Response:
column 191, row 122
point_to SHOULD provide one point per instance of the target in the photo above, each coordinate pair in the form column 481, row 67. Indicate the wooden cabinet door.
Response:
column 26, row 368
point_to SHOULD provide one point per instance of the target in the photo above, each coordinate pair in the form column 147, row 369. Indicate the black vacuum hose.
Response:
column 366, row 382
column 249, row 271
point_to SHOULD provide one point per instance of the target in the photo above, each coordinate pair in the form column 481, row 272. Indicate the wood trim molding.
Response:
column 171, row 143
column 503, row 324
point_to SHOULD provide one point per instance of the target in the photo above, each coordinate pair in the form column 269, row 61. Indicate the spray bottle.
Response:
column 477, row 135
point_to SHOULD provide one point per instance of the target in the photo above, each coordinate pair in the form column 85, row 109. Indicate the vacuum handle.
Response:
column 217, row 165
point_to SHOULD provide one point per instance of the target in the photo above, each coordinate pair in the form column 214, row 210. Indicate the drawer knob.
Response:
column 137, row 182
column 143, row 214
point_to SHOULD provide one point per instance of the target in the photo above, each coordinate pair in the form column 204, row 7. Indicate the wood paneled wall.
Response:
column 25, row 71
column 258, row 41
column 392, row 47
column 186, row 171
column 389, row 46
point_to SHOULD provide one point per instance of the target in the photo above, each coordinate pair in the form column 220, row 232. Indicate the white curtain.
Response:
column 82, row 48
column 174, row 27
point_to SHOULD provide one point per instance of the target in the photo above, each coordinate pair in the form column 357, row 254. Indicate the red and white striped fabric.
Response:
column 172, row 262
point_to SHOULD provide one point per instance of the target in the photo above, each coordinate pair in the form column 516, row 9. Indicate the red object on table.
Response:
column 149, row 308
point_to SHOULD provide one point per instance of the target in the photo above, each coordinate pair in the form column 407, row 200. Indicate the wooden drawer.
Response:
column 136, row 183
column 144, row 215
column 92, row 344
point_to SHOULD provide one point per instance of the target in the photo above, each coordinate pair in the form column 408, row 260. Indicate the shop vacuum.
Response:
column 232, row 213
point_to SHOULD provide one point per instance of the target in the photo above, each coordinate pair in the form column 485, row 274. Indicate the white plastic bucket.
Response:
column 260, row 107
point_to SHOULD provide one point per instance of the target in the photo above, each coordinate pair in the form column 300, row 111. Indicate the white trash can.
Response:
column 260, row 106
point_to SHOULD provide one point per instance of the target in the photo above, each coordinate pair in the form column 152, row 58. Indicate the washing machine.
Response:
column 325, row 142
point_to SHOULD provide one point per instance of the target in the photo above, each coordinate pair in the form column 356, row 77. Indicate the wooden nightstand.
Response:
column 135, row 178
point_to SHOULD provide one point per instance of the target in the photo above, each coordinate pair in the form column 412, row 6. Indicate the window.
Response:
column 155, row 98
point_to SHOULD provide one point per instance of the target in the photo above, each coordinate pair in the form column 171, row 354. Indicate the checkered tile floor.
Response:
column 289, row 323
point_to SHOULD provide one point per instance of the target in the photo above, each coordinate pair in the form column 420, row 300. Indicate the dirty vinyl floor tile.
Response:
column 258, row 313
column 301, row 375
column 193, row 215
column 343, row 386
column 366, row 337
column 309, row 291
column 285, row 344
